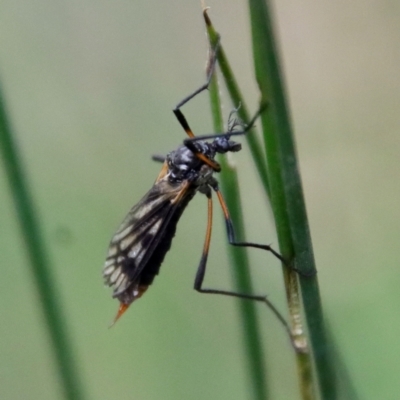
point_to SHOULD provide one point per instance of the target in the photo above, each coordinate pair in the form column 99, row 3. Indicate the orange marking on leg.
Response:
column 212, row 164
column 207, row 241
column 190, row 133
column 223, row 205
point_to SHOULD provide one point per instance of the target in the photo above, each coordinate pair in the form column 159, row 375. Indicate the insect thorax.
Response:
column 183, row 165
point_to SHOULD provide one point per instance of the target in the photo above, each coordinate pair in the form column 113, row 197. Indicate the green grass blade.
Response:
column 251, row 334
column 296, row 332
column 286, row 191
column 40, row 268
column 292, row 290
column 253, row 141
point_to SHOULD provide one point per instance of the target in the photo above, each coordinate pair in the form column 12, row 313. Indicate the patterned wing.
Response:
column 138, row 236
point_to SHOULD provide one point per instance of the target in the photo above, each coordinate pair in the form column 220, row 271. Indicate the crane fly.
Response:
column 140, row 244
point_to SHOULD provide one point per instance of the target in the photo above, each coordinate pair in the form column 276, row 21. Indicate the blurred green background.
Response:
column 90, row 86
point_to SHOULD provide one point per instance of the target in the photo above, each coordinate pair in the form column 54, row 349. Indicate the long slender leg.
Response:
column 201, row 271
column 231, row 232
column 232, row 239
column 189, row 141
column 182, row 119
column 210, row 70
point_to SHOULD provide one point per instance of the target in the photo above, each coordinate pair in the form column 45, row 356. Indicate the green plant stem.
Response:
column 253, row 141
column 292, row 290
column 239, row 259
column 40, row 268
column 297, row 333
column 288, row 201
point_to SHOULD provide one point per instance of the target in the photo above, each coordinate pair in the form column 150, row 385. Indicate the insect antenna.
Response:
column 158, row 158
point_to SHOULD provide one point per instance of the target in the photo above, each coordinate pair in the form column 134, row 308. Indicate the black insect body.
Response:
column 140, row 244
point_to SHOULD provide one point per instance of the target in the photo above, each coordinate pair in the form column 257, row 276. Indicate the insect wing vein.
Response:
column 140, row 232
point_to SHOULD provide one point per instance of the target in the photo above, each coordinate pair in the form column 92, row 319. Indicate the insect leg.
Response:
column 231, row 232
column 232, row 239
column 182, row 119
column 201, row 271
column 210, row 70
column 189, row 141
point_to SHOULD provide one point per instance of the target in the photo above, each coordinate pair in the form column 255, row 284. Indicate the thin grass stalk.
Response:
column 288, row 200
column 254, row 143
column 292, row 290
column 40, row 269
column 251, row 334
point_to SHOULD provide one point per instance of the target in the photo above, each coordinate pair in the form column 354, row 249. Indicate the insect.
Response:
column 140, row 244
